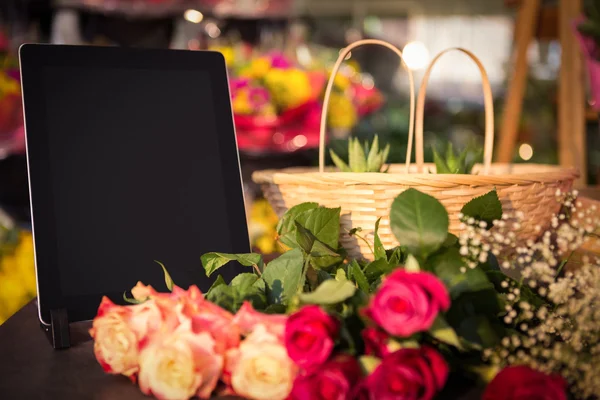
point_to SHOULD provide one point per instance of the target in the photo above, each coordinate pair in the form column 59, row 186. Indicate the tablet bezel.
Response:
column 35, row 57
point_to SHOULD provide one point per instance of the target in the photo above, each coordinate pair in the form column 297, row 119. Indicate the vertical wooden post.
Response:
column 524, row 30
column 571, row 96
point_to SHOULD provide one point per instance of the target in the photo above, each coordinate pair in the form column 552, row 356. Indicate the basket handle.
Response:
column 334, row 72
column 489, row 111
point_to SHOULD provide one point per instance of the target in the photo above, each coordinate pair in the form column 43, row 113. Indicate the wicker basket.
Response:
column 365, row 197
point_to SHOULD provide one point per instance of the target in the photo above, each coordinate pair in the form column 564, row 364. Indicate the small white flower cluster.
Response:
column 556, row 327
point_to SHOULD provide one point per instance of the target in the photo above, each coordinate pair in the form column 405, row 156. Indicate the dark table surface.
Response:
column 31, row 369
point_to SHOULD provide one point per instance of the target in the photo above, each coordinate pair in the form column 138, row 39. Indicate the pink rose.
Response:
column 260, row 369
column 180, row 365
column 119, row 332
column 521, row 383
column 334, row 381
column 309, row 336
column 408, row 374
column 408, row 303
column 247, row 318
column 376, row 342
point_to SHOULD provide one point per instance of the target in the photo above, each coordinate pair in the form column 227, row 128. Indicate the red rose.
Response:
column 408, row 374
column 376, row 342
column 309, row 336
column 408, row 303
column 335, row 380
column 521, row 382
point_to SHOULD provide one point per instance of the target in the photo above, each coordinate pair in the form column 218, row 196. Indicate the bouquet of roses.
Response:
column 437, row 316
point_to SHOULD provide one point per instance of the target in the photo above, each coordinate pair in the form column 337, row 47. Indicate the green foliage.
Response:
column 484, row 208
column 453, row 163
column 419, row 222
column 214, row 261
column 284, row 277
column 443, row 332
column 362, row 158
column 329, row 292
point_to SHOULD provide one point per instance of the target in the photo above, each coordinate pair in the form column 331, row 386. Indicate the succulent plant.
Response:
column 362, row 158
column 453, row 163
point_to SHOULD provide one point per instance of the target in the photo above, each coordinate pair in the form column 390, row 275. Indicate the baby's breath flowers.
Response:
column 552, row 315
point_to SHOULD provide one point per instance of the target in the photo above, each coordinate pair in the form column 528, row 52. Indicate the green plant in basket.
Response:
column 450, row 162
column 362, row 158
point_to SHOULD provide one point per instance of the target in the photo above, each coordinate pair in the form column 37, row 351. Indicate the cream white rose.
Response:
column 260, row 368
column 180, row 365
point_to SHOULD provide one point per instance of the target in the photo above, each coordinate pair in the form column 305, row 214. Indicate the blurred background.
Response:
column 280, row 53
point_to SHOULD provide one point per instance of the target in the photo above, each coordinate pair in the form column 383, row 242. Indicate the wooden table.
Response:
column 31, row 369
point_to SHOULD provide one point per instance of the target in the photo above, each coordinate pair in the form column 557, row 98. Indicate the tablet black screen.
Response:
column 136, row 176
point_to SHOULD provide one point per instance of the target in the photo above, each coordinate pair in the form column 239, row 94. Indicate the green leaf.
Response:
column 419, row 222
column 322, row 257
column 168, row 279
column 484, row 208
column 214, row 261
column 480, row 330
column 131, row 300
column 329, row 292
column 373, row 160
column 340, row 275
column 244, row 282
column 377, row 269
column 446, row 266
column 286, row 223
column 356, row 274
column 368, row 364
column 411, row 265
column 275, row 309
column 217, row 282
column 323, row 223
column 379, row 250
column 339, row 162
column 395, row 256
column 444, row 332
column 357, row 159
column 283, row 276
column 440, row 164
column 224, row 296
column 304, row 237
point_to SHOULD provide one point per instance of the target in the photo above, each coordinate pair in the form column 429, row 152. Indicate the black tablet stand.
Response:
column 58, row 331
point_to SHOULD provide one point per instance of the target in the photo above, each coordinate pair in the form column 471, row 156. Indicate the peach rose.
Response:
column 115, row 342
column 180, row 365
column 247, row 318
column 260, row 368
column 142, row 292
column 209, row 317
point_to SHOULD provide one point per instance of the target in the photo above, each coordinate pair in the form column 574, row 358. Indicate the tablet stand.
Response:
column 58, row 331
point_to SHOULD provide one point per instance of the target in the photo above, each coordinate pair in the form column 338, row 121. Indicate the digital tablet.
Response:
column 132, row 159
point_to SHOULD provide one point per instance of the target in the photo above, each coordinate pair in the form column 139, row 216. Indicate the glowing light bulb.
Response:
column 525, row 151
column 193, row 16
column 415, row 55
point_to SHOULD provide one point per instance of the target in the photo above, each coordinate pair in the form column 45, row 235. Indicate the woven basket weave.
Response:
column 365, row 197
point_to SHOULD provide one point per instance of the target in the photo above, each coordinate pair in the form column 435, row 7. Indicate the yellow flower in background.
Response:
column 263, row 224
column 259, row 67
column 289, row 87
column 341, row 113
column 228, row 53
column 241, row 102
column 341, row 81
column 17, row 277
column 8, row 85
